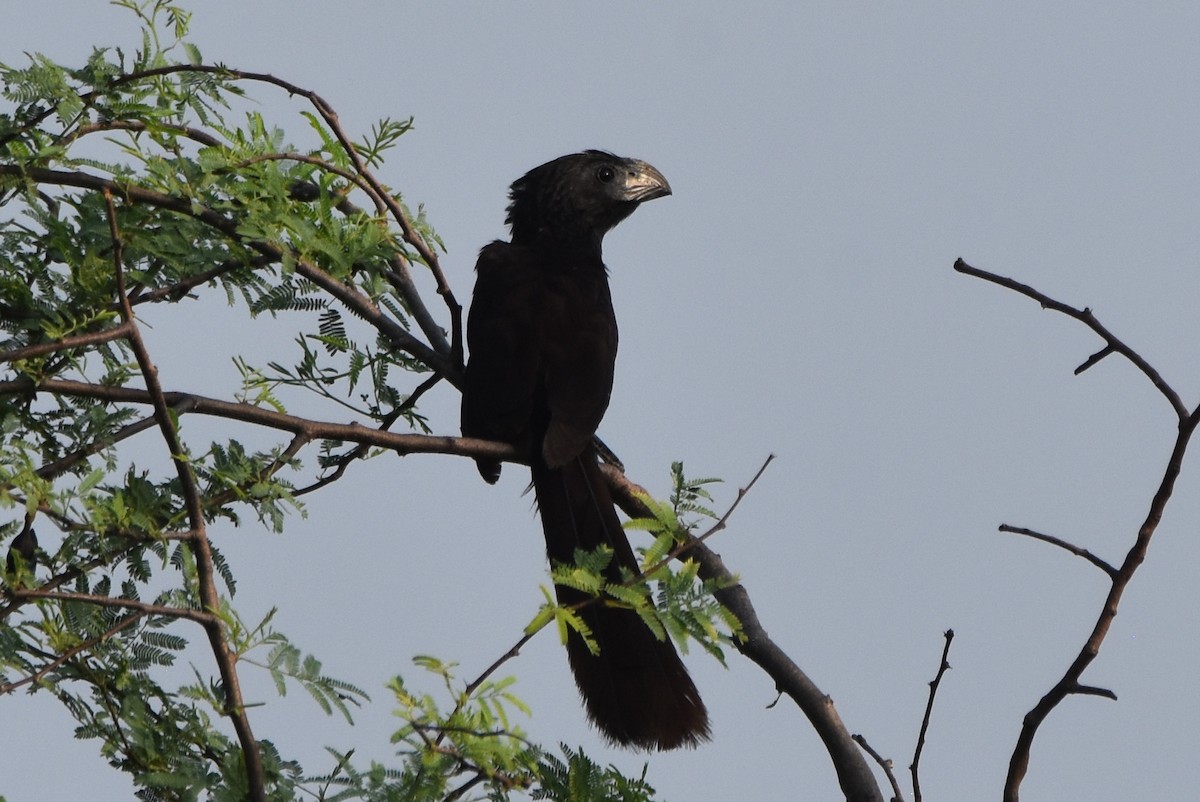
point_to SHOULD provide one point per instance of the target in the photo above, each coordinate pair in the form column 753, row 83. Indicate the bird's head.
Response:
column 580, row 197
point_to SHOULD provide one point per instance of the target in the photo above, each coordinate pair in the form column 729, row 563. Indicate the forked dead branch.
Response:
column 1071, row 681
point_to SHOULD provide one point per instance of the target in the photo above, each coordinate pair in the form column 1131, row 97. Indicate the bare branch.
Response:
column 884, row 763
column 1069, row 683
column 1092, row 690
column 1062, row 544
column 943, row 667
column 1085, row 316
column 1094, row 358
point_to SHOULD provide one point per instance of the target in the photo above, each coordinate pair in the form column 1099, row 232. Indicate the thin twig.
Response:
column 474, row 684
column 943, row 667
column 145, row 608
column 1085, row 316
column 1062, row 544
column 692, row 542
column 884, row 763
column 1092, row 690
column 360, row 451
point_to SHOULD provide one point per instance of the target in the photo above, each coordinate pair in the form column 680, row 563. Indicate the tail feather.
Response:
column 636, row 690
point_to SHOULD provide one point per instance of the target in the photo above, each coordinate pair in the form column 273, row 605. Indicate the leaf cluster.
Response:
column 671, row 602
column 141, row 187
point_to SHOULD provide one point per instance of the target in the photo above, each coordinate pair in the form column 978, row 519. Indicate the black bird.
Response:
column 24, row 544
column 543, row 344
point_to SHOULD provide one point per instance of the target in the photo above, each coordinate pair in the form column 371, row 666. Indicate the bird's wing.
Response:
column 503, row 336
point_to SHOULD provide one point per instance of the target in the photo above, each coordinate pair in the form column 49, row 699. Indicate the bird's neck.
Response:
column 579, row 250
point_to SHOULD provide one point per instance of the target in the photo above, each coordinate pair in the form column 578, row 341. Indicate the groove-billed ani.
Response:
column 543, row 343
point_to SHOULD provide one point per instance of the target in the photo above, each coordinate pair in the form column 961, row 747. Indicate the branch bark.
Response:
column 235, row 707
column 854, row 774
column 1120, row 578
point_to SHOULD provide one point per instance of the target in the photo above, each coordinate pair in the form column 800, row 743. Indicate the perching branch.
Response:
column 854, row 774
column 247, row 413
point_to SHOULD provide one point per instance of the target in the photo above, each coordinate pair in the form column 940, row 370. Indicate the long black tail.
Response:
column 637, row 690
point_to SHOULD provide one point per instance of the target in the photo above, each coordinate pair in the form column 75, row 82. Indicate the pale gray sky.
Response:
column 795, row 296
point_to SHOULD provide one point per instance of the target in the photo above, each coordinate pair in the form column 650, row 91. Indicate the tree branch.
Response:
column 884, row 763
column 198, row 616
column 1062, row 544
column 315, row 430
column 205, row 572
column 66, row 343
column 69, row 653
column 354, row 300
column 1069, row 683
column 1085, row 316
column 330, row 117
column 943, row 667
column 854, row 774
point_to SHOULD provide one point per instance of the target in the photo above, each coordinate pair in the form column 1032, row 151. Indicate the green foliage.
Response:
column 145, row 181
column 580, row 779
column 675, row 603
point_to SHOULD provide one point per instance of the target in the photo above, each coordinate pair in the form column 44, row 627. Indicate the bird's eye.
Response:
column 605, row 174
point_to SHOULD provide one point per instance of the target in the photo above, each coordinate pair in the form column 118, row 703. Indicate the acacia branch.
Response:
column 408, row 230
column 66, row 343
column 69, row 653
column 1070, row 683
column 353, row 299
column 198, row 616
column 378, row 191
column 690, row 543
column 205, row 572
column 247, row 413
column 854, row 774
